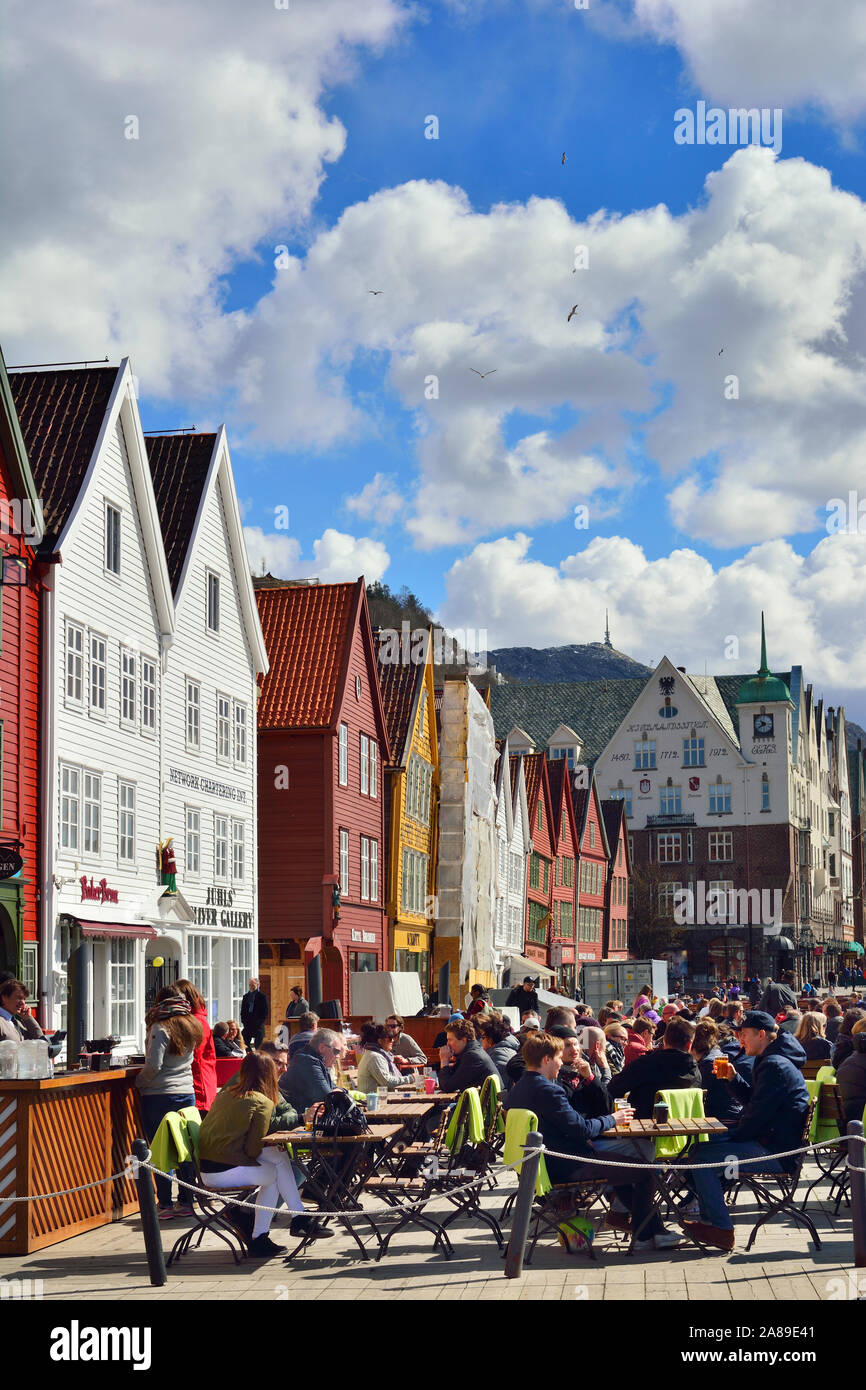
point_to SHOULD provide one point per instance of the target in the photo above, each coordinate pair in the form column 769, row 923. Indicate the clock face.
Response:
column 763, row 726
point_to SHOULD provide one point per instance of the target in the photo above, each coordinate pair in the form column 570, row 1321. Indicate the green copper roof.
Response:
column 764, row 688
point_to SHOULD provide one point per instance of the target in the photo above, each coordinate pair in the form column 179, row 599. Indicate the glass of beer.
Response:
column 720, row 1067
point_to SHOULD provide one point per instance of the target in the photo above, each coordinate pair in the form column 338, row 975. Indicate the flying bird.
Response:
column 483, row 374
column 375, row 291
column 572, row 314
column 721, row 350
column 564, row 157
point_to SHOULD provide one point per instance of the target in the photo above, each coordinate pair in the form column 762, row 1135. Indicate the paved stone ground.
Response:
column 109, row 1263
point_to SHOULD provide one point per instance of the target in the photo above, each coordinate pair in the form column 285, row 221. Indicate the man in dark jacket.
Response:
column 309, row 1076
column 254, row 1015
column 778, row 997
column 586, row 1091
column 775, row 1102
column 463, row 1061
column 565, row 1130
column 500, row 1044
column 670, row 1067
column 851, row 1076
column 523, row 997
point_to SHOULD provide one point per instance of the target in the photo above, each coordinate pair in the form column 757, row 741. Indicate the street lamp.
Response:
column 807, row 941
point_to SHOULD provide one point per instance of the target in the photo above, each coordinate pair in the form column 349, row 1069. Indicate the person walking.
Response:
column 204, row 1075
column 254, row 1015
column 165, row 1081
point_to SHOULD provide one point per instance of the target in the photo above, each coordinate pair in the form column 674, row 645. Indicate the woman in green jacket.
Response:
column 232, row 1154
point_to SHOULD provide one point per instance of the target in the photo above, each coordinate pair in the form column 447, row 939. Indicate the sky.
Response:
column 216, row 189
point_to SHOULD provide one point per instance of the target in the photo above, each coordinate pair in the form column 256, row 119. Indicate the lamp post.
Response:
column 807, row 941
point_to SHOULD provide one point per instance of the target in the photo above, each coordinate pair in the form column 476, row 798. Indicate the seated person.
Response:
column 670, row 1067
column 234, row 1037
column 500, row 1044
column 583, row 1017
column 844, row 1044
column 223, row 1046
column 851, row 1076
column 586, row 1093
column 479, row 1001
column 640, row 1040
column 593, row 1044
column 833, row 1014
column 810, row 1035
column 376, row 1066
column 307, row 1025
column 565, row 1130
column 616, row 1038
column 529, row 1019
column 463, row 1061
column 775, row 1106
column 556, row 1015
column 309, row 1076
column 669, row 1011
column 404, row 1044
column 790, row 1020
column 232, row 1154
column 17, row 1024
column 706, row 1048
column 285, row 1115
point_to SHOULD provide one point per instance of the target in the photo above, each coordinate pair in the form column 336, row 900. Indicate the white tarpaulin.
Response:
column 383, row 992
column 480, row 848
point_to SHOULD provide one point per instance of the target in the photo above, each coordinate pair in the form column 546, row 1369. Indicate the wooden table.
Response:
column 302, row 1138
column 672, row 1129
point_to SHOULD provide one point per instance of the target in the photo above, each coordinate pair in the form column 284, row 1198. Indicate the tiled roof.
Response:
column 398, row 682
column 532, row 764
column 178, row 467
column 556, row 769
column 306, row 632
column 61, row 413
column 580, row 802
column 612, row 811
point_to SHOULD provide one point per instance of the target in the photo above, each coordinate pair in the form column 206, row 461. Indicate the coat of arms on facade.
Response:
column 666, row 685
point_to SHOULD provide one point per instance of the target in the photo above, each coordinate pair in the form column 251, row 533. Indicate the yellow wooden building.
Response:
column 412, row 801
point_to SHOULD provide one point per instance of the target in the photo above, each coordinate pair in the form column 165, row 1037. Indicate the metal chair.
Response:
column 783, row 1198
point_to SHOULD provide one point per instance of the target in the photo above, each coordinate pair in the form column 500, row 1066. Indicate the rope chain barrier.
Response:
column 692, row 1167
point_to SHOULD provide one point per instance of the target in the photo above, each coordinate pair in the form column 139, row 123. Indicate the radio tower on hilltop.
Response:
column 607, row 641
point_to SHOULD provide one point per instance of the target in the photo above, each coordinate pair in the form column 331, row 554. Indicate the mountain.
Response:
column 854, row 732
column 547, row 665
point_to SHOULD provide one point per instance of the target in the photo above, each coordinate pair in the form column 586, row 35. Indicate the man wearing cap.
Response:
column 776, row 1103
column 670, row 1067
column 587, row 1093
column 523, row 997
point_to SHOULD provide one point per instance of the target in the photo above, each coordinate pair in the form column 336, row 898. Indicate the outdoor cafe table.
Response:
column 337, row 1186
column 671, row 1129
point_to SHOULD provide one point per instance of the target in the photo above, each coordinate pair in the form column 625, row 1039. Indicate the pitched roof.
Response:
column 399, row 683
column 532, row 764
column 179, row 466
column 306, row 632
column 556, row 770
column 61, row 414
column 612, row 811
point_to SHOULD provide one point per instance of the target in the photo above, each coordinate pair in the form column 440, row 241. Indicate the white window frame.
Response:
column 666, row 842
column 720, row 791
column 369, row 869
column 192, row 842
column 723, row 839
column 76, row 654
column 72, row 799
column 94, row 829
column 374, row 769
column 671, row 800
column 343, row 839
column 239, row 734
column 109, row 569
column 212, row 610
column 192, row 708
column 241, row 970
column 223, row 727
column 693, row 752
column 645, row 754
column 148, row 696
column 122, row 813
column 96, row 664
column 343, row 756
column 365, row 765
column 221, row 847
column 122, row 972
column 765, row 793
column 200, row 963
column 128, row 681
column 239, row 850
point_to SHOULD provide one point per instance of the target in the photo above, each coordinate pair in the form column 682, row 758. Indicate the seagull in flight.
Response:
column 564, row 157
column 572, row 314
column 483, row 374
column 375, row 291
column 721, row 350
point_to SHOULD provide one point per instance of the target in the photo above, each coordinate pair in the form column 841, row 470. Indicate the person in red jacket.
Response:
column 204, row 1074
column 640, row 1040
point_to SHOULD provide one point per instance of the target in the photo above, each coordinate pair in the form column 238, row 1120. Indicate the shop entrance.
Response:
column 8, row 943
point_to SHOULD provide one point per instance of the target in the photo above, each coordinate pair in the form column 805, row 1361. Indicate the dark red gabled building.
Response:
column 592, row 870
column 20, row 533
column 618, row 874
column 322, row 750
column 563, row 876
column 538, row 876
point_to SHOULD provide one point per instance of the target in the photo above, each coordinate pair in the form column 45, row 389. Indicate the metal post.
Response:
column 857, row 1159
column 149, row 1222
column 523, row 1207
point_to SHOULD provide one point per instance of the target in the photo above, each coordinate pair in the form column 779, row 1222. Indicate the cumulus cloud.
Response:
column 336, row 556
column 379, row 501
column 678, row 605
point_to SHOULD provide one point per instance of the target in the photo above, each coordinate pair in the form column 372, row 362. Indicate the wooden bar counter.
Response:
column 57, row 1134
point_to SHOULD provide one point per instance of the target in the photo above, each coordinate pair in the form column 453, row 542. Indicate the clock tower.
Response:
column 763, row 707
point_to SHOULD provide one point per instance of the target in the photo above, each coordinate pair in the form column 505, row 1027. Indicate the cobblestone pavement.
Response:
column 110, row 1263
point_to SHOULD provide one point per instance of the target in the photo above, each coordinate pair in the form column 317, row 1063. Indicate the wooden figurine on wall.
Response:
column 168, row 864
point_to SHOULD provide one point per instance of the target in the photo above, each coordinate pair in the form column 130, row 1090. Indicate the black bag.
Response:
column 339, row 1116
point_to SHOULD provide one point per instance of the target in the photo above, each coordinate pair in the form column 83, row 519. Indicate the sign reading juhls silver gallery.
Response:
column 206, row 784
column 221, row 897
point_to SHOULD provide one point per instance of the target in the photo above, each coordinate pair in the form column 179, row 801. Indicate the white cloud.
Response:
column 336, row 556
column 678, row 605
column 377, row 501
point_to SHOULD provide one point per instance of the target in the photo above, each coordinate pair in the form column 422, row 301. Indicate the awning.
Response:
column 852, row 948
column 529, row 967
column 782, row 943
column 128, row 930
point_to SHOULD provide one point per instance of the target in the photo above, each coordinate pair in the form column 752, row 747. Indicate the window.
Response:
column 515, row 873
column 566, row 926
column 666, row 901
column 592, row 834
column 240, row 733
column 619, row 853
column 831, row 820
column 538, row 915
column 365, row 765
column 343, row 772
column 221, row 848
column 645, row 753
column 192, row 858
column 122, row 987
column 515, row 925
column 29, row 976
column 238, row 849
column 622, row 794
column 369, row 869
column 564, row 825
column 128, row 701
column 242, row 969
column 193, row 715
column 720, row 797
column 419, row 784
column 535, row 871
column 670, row 800
column 718, row 901
column 374, row 768
column 413, row 893
column 223, row 748
column 721, row 843
column 74, row 661
column 112, row 539
column 568, row 872
column 344, row 862
column 213, row 602
column 200, row 966
column 690, row 846
column 765, row 793
column 92, row 812
column 70, row 782
column 540, row 817
column 97, row 674
column 361, row 962
column 563, row 751
column 546, row 884
column 693, row 751
column 148, row 695
column 127, row 821
column 589, row 924
column 670, row 848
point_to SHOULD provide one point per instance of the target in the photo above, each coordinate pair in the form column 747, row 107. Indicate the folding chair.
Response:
column 828, row 1122
column 553, row 1201
column 182, row 1132
column 475, row 1160
column 786, row 1184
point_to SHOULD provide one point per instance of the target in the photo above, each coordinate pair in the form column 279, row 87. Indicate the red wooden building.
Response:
column 563, row 877
column 618, row 873
column 538, row 879
column 322, row 748
column 20, row 533
column 592, row 872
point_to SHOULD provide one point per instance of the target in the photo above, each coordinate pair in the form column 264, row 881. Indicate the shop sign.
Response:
column 410, row 940
column 367, row 938
column 221, row 897
column 11, row 862
column 196, row 783
column 97, row 892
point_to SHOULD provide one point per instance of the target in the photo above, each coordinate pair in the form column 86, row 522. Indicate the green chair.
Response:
column 554, row 1202
column 176, row 1142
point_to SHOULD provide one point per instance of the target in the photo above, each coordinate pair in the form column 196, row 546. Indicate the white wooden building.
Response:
column 513, row 844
